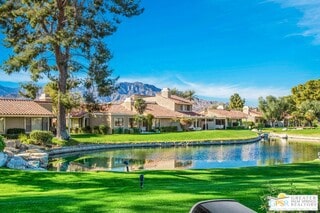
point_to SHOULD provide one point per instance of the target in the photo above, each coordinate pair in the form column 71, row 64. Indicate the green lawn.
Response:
column 164, row 191
column 166, row 137
column 302, row 132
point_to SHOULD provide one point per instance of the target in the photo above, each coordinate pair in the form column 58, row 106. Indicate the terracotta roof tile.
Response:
column 180, row 100
column 255, row 113
column 119, row 109
column 17, row 107
column 233, row 114
column 160, row 112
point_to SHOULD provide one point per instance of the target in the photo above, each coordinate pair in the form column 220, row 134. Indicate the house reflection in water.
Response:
column 197, row 157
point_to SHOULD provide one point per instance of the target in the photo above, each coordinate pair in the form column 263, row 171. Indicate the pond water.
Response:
column 192, row 157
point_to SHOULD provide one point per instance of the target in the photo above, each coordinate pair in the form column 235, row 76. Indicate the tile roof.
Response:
column 119, row 109
column 255, row 113
column 17, row 107
column 77, row 113
column 180, row 100
column 233, row 114
column 162, row 112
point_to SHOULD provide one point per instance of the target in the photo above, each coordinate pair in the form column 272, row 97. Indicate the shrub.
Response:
column 103, row 129
column 2, row 144
column 11, row 136
column 75, row 130
column 16, row 131
column 96, row 130
column 136, row 130
column 118, row 130
column 169, row 129
column 248, row 124
column 86, row 129
column 126, row 131
column 41, row 137
column 23, row 138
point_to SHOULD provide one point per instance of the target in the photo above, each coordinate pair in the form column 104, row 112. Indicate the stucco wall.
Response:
column 165, row 102
column 14, row 123
column 98, row 119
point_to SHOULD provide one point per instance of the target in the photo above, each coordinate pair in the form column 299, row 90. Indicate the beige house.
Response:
column 166, row 109
column 24, row 114
column 253, row 115
column 222, row 119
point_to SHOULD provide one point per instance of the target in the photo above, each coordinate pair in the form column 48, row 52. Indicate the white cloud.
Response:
column 310, row 21
column 15, row 77
column 18, row 77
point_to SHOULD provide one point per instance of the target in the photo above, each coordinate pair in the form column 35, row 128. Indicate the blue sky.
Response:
column 218, row 47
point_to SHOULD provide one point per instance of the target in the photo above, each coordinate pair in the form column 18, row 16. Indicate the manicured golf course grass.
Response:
column 166, row 137
column 164, row 191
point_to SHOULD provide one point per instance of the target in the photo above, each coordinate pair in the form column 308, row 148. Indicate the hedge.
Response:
column 41, row 137
column 2, row 144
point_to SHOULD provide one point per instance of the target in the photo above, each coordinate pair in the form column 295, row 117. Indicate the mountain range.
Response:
column 9, row 92
column 125, row 89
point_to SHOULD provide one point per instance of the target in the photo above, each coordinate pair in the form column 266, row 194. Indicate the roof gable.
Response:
column 17, row 107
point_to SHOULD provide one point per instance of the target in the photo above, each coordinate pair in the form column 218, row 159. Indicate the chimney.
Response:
column 165, row 92
column 246, row 110
column 128, row 104
column 45, row 97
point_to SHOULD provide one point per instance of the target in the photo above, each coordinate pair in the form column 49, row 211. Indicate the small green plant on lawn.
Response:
column 2, row 144
column 39, row 137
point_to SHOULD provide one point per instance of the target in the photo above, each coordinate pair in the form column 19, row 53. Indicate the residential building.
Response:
column 24, row 114
column 254, row 115
column 222, row 119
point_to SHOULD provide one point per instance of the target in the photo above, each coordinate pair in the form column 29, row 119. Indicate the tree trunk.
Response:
column 61, row 120
column 62, row 65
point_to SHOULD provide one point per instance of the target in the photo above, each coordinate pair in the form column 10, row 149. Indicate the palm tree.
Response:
column 140, row 105
column 189, row 94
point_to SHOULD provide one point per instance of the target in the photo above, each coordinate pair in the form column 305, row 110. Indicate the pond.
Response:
column 261, row 153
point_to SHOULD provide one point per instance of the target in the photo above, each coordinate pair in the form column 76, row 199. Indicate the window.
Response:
column 132, row 122
column 1, row 125
column 35, row 124
column 118, row 121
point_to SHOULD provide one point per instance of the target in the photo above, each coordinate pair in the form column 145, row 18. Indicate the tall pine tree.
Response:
column 59, row 39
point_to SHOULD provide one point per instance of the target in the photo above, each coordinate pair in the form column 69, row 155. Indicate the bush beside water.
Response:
column 37, row 137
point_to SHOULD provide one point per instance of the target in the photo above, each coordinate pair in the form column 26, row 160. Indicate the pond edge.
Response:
column 92, row 147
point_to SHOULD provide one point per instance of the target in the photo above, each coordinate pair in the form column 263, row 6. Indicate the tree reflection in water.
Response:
column 195, row 157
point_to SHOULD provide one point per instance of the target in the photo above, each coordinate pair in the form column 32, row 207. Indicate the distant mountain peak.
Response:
column 126, row 89
column 9, row 92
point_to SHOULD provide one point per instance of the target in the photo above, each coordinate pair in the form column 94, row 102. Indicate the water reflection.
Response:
column 198, row 157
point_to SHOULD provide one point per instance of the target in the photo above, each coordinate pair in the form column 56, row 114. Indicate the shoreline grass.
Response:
column 164, row 191
column 299, row 132
column 166, row 137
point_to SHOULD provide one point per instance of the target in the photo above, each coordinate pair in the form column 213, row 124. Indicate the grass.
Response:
column 301, row 132
column 164, row 191
column 166, row 137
